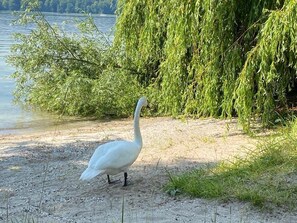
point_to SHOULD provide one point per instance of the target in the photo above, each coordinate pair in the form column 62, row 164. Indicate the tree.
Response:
column 69, row 6
column 70, row 74
column 14, row 4
column 212, row 58
column 194, row 58
column 10, row 4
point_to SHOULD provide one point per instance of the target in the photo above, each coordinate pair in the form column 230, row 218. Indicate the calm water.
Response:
column 12, row 118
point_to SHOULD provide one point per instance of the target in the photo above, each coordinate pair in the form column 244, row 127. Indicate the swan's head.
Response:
column 143, row 101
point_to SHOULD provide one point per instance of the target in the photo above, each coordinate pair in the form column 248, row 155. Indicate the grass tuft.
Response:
column 266, row 177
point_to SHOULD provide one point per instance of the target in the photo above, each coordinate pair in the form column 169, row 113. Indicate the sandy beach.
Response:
column 40, row 173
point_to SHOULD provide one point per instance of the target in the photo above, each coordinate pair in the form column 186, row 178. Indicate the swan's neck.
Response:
column 137, row 134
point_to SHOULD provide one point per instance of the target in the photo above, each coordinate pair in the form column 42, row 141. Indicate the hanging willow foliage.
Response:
column 270, row 69
column 192, row 57
column 72, row 74
column 211, row 57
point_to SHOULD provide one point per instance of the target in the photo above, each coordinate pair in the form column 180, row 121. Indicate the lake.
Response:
column 13, row 119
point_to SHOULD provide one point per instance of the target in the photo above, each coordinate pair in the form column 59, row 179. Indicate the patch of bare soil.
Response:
column 40, row 174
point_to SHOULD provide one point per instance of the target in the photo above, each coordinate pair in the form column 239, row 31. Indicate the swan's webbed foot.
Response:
column 112, row 182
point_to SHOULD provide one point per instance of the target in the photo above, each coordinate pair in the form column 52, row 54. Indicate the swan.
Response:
column 117, row 156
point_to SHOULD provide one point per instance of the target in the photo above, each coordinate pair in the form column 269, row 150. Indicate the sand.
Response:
column 40, row 173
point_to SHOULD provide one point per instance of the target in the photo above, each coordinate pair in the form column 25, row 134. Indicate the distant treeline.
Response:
column 65, row 6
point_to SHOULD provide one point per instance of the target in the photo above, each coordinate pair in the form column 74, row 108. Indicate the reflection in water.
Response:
column 13, row 119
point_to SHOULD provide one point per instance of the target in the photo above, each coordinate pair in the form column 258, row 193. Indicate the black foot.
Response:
column 112, row 182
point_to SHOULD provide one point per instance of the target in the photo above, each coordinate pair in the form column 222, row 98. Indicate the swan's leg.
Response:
column 125, row 176
column 108, row 179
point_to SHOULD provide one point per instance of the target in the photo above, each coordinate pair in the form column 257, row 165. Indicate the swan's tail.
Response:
column 89, row 173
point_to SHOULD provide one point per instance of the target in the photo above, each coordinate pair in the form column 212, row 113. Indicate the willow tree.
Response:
column 69, row 73
column 196, row 57
column 270, row 69
column 211, row 57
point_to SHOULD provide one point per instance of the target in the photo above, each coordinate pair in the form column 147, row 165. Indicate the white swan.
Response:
column 117, row 156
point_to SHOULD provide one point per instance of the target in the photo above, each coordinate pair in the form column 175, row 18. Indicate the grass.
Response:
column 266, row 177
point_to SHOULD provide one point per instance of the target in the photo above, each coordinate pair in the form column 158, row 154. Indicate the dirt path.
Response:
column 39, row 174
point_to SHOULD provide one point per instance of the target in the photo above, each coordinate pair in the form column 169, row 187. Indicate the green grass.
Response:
column 266, row 177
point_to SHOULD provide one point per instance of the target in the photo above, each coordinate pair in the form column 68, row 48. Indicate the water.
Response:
column 13, row 118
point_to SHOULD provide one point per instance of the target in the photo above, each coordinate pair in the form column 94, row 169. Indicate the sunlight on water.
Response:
column 13, row 119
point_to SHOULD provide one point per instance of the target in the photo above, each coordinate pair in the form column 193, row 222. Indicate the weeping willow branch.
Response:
column 270, row 70
column 194, row 58
column 212, row 58
column 70, row 74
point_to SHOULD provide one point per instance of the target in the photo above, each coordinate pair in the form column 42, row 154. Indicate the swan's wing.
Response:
column 100, row 152
column 113, row 156
column 120, row 154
